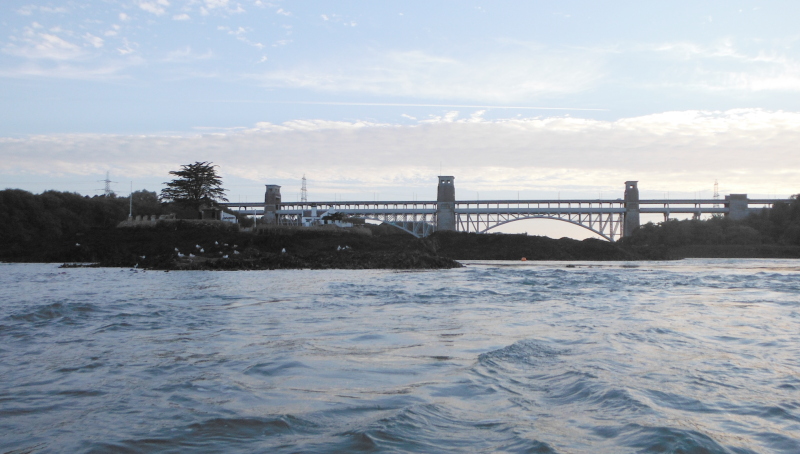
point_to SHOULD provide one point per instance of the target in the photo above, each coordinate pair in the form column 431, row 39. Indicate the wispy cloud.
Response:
column 110, row 71
column 127, row 47
column 724, row 65
column 500, row 78
column 671, row 149
column 27, row 10
column 186, row 54
column 241, row 34
column 392, row 104
column 212, row 4
column 157, row 7
column 37, row 44
column 339, row 19
column 94, row 41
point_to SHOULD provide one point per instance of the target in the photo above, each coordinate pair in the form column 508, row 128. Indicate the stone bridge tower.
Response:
column 446, row 204
column 272, row 202
column 631, row 219
column 737, row 205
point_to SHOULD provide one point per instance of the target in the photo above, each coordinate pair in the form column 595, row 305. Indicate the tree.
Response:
column 196, row 184
column 146, row 202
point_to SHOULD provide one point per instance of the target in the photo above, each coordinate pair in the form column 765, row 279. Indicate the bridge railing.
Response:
column 602, row 216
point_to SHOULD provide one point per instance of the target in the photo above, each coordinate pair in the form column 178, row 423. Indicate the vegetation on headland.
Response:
column 67, row 227
column 212, row 245
column 194, row 185
column 770, row 233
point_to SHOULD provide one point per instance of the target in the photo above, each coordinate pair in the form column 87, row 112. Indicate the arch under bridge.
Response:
column 610, row 219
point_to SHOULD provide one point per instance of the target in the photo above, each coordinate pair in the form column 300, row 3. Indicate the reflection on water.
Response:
column 696, row 356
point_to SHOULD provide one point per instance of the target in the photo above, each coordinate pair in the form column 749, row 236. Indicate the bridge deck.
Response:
column 666, row 204
column 602, row 216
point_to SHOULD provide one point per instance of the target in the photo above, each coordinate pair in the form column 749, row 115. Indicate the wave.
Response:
column 56, row 311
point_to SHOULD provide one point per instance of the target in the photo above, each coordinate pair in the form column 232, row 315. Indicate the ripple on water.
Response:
column 213, row 435
column 56, row 311
column 679, row 357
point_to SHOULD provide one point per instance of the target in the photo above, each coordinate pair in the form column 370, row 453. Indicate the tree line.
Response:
column 52, row 215
column 777, row 225
column 34, row 219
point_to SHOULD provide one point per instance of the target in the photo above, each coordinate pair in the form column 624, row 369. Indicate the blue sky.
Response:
column 374, row 99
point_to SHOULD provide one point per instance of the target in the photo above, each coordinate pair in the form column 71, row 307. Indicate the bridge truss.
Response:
column 416, row 218
column 603, row 217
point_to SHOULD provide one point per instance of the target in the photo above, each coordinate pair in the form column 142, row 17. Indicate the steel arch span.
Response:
column 606, row 224
column 419, row 228
column 418, row 224
column 551, row 218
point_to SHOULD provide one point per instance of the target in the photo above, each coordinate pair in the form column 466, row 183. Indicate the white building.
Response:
column 315, row 218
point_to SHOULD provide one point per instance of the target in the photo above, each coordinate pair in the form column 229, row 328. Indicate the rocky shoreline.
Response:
column 192, row 246
column 203, row 246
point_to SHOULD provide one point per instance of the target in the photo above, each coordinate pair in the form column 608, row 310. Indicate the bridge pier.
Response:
column 272, row 202
column 611, row 219
column 631, row 218
column 737, row 205
column 446, row 204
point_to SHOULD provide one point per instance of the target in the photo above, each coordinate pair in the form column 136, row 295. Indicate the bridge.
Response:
column 611, row 219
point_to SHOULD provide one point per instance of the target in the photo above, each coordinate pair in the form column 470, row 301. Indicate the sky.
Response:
column 373, row 100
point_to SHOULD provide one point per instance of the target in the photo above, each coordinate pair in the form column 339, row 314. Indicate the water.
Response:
column 699, row 356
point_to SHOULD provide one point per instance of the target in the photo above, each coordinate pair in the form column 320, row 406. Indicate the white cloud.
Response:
column 186, row 54
column 336, row 18
column 499, row 78
column 127, row 47
column 239, row 33
column 34, row 44
column 27, row 10
column 156, row 7
column 221, row 7
column 124, row 17
column 669, row 151
column 109, row 71
column 183, row 16
column 722, row 66
column 95, row 41
column 211, row 4
column 282, row 12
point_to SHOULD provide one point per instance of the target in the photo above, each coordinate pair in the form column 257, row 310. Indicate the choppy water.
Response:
column 697, row 356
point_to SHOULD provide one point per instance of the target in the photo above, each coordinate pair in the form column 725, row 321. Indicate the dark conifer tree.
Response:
column 196, row 184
